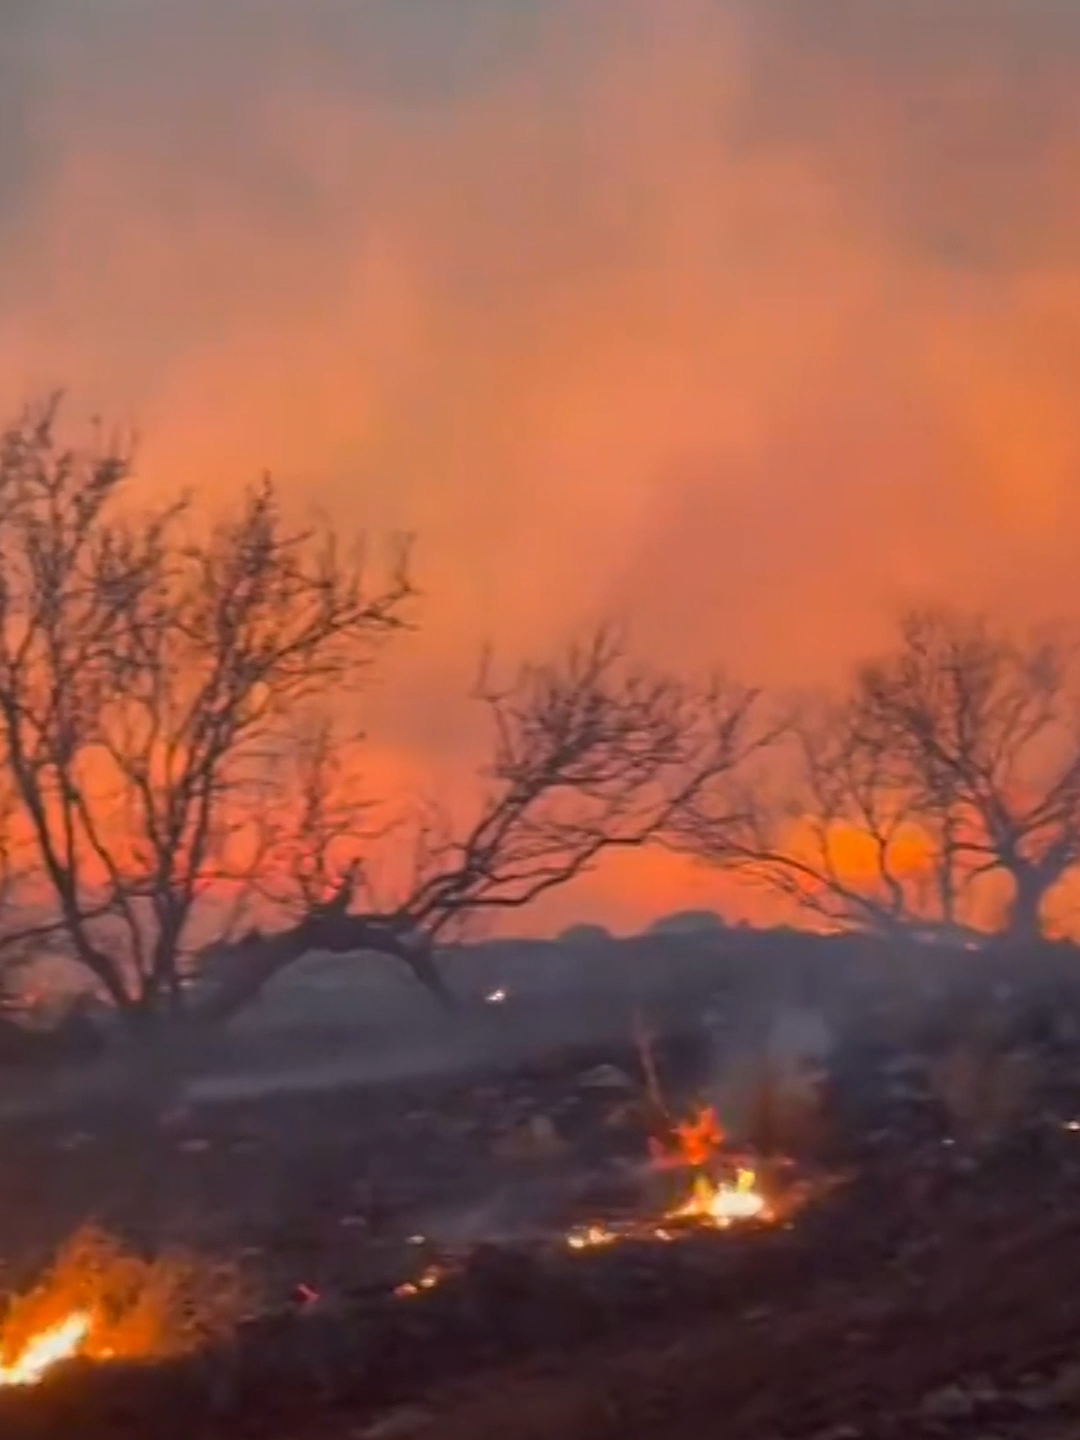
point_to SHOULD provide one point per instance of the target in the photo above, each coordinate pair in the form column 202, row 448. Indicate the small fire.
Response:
column 693, row 1146
column 63, row 1341
column 692, row 1142
column 724, row 1204
column 713, row 1202
column 699, row 1137
column 99, row 1303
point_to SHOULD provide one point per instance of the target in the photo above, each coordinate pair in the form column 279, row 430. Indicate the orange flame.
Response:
column 699, row 1137
column 100, row 1303
column 62, row 1341
column 711, row 1203
column 692, row 1143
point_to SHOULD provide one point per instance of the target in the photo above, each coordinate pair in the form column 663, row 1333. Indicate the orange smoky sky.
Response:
column 748, row 320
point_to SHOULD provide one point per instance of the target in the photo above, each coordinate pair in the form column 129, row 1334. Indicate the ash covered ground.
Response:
column 920, row 1278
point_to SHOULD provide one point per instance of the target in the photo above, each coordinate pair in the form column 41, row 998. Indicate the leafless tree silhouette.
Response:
column 179, row 704
column 147, row 666
column 984, row 728
column 590, row 753
column 841, row 832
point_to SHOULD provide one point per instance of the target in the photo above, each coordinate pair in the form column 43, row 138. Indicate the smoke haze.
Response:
column 748, row 319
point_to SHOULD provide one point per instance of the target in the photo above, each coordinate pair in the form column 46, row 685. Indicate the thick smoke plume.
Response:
column 748, row 319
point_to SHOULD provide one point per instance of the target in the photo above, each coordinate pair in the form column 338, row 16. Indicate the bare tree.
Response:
column 986, row 727
column 145, row 668
column 12, row 961
column 590, row 753
column 178, row 723
column 843, row 835
column 853, row 843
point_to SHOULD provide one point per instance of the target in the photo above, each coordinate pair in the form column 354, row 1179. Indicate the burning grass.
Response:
column 100, row 1303
column 718, row 1189
column 710, row 1204
column 724, row 1204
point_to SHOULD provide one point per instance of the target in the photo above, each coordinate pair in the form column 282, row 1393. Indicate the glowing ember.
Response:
column 62, row 1341
column 594, row 1237
column 589, row 1237
column 427, row 1281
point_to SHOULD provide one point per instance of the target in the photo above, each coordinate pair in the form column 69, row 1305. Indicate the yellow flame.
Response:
column 723, row 1205
column 99, row 1303
column 715, row 1206
column 62, row 1341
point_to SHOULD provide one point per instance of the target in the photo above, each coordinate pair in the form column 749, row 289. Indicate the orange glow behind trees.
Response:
column 181, row 758
column 753, row 322
column 180, row 697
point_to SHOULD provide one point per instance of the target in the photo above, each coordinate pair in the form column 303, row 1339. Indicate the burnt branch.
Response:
column 590, row 753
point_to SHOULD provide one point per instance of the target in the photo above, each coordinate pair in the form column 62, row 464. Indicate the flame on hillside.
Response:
column 99, row 1303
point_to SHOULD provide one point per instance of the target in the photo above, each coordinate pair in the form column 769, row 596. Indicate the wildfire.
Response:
column 699, row 1137
column 724, row 1204
column 691, row 1143
column 720, row 1203
column 713, row 1203
column 99, row 1303
column 63, row 1341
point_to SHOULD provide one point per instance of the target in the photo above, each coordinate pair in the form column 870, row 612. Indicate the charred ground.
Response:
column 929, row 1283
